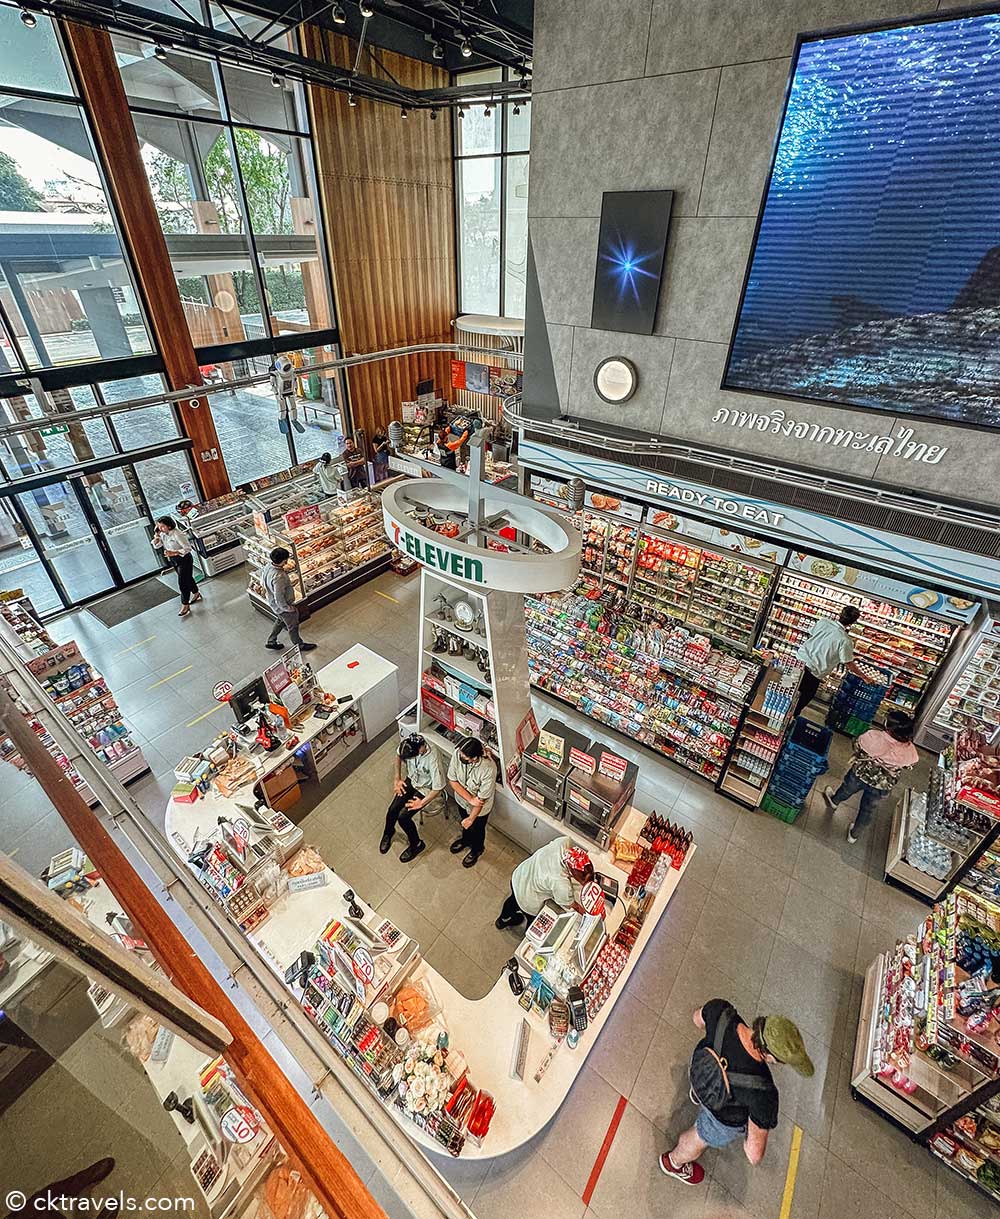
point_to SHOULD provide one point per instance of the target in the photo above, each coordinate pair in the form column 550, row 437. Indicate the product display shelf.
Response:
column 974, row 698
column 761, row 733
column 215, row 532
column 941, row 836
column 658, row 700
column 910, row 643
column 333, row 546
column 22, row 627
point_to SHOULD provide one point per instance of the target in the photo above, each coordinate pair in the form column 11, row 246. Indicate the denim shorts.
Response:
column 714, row 1133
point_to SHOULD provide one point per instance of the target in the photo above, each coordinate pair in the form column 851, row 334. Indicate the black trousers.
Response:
column 511, row 912
column 398, row 814
column 184, row 563
column 807, row 690
column 475, row 836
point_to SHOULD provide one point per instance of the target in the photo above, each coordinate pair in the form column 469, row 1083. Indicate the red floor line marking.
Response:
column 602, row 1155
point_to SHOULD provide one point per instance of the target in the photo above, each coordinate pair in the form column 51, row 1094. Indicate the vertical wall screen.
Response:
column 630, row 248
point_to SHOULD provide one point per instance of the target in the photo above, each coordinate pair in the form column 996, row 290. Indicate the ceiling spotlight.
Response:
column 351, row 99
column 461, row 112
column 28, row 19
column 366, row 9
column 437, row 51
column 434, row 115
column 466, row 48
column 487, row 112
column 338, row 14
column 276, row 81
column 403, row 112
column 516, row 110
column 159, row 52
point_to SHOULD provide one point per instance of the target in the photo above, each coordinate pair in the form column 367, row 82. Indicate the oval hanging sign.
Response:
column 221, row 691
column 239, row 1125
column 364, row 966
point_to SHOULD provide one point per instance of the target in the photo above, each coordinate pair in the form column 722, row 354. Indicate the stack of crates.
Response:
column 856, row 702
column 799, row 765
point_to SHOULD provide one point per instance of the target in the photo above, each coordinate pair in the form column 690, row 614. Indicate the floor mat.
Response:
column 132, row 601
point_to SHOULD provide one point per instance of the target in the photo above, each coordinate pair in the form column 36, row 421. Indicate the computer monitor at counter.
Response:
column 249, row 698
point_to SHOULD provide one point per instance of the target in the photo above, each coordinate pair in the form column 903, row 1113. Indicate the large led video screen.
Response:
column 874, row 279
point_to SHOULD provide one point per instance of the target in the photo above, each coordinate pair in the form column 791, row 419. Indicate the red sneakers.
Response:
column 690, row 1174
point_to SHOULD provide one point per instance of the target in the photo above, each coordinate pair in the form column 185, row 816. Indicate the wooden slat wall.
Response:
column 388, row 196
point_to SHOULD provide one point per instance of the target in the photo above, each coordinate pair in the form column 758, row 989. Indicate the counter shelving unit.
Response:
column 215, row 532
column 910, row 643
column 760, row 736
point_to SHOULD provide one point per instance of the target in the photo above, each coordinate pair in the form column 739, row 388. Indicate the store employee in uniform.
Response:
column 419, row 780
column 472, row 774
column 827, row 646
column 555, row 873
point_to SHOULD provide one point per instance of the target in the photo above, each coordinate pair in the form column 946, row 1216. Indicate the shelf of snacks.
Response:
column 974, row 699
column 663, row 686
column 86, row 700
column 22, row 626
column 909, row 643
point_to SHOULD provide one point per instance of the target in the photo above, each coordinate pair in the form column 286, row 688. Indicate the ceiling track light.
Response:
column 487, row 111
column 437, row 51
column 466, row 48
column 276, row 81
column 159, row 52
column 28, row 19
column 338, row 15
column 434, row 115
column 461, row 112
column 351, row 99
column 366, row 10
column 403, row 112
column 516, row 110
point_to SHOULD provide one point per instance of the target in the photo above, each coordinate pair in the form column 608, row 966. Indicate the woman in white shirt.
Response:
column 176, row 548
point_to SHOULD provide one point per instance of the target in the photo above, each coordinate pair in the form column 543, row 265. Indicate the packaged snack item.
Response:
column 969, row 1160
column 943, row 1145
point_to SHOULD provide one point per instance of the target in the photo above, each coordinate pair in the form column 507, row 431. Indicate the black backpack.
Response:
column 709, row 1073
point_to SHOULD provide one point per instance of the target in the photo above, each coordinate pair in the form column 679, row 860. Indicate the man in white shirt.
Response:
column 472, row 774
column 825, row 648
column 419, row 779
column 556, row 872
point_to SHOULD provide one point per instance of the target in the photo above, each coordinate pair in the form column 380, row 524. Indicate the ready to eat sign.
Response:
column 436, row 555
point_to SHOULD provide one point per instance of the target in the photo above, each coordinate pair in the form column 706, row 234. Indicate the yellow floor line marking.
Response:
column 386, row 595
column 133, row 646
column 205, row 715
column 170, row 677
column 793, row 1172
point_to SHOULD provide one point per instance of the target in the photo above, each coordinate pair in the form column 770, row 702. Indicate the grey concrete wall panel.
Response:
column 687, row 34
column 565, row 256
column 589, row 42
column 651, row 356
column 747, row 115
column 635, row 135
column 970, row 469
column 705, row 264
column 561, row 347
column 539, row 390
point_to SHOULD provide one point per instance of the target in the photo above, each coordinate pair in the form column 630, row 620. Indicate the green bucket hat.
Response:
column 784, row 1042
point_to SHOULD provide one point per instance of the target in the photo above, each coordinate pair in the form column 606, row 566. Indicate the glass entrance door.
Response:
column 69, row 539
column 117, row 503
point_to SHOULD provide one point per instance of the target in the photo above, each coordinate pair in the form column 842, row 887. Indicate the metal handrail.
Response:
column 193, row 393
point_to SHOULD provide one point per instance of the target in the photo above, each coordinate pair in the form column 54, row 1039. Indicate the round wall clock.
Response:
column 616, row 379
column 464, row 613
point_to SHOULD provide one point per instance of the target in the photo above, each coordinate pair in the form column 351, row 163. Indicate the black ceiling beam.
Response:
column 169, row 31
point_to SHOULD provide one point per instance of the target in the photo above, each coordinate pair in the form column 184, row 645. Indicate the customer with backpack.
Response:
column 880, row 757
column 732, row 1086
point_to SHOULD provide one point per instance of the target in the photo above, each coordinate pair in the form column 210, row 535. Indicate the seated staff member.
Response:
column 556, row 872
column 415, row 789
column 472, row 774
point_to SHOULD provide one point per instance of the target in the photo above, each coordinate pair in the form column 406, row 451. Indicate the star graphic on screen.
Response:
column 626, row 266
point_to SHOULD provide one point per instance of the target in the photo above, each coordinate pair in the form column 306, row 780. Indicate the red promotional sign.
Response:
column 582, row 761
column 458, row 374
column 612, row 766
column 302, row 516
column 592, row 898
column 221, row 691
column 363, row 965
column 239, row 1125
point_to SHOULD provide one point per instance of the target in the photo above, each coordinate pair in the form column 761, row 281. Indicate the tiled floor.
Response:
column 778, row 918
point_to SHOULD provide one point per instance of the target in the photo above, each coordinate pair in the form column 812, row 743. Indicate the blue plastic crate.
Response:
column 810, row 736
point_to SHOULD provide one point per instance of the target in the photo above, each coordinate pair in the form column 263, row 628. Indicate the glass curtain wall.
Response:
column 229, row 161
column 491, row 187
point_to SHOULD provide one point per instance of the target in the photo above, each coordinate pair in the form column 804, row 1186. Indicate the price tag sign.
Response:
column 221, row 691
column 612, row 766
column 582, row 761
column 363, row 965
column 592, row 898
column 239, row 1125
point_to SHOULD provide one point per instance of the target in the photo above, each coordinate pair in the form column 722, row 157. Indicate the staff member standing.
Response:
column 281, row 601
column 472, row 774
column 556, row 872
column 419, row 778
column 826, row 647
column 176, row 548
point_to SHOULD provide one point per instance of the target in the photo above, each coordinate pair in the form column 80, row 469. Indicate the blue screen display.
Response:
column 875, row 277
column 630, row 249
